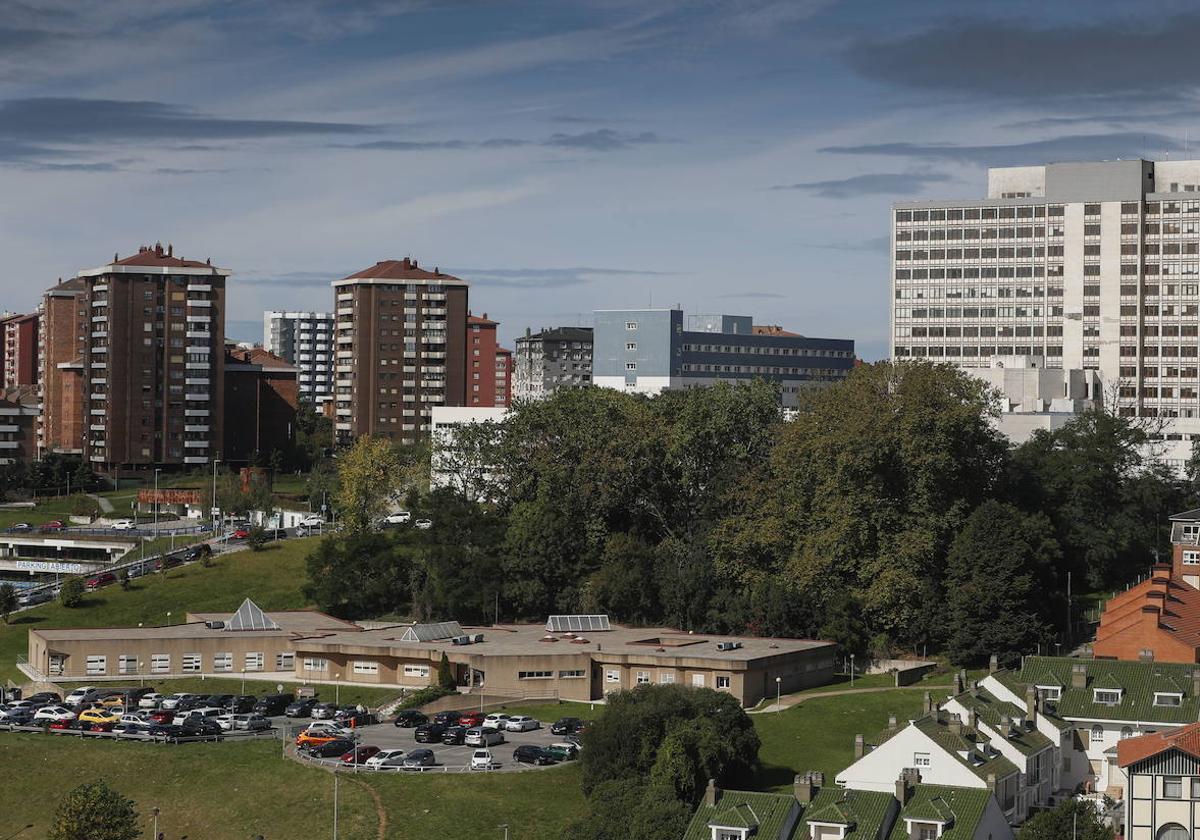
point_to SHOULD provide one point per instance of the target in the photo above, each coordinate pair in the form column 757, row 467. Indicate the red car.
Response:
column 53, row 525
column 97, row 726
column 471, row 719
column 359, row 754
column 103, row 579
column 62, row 724
column 240, row 534
column 162, row 716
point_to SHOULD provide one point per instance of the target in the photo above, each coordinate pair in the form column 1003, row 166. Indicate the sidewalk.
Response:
column 105, row 504
column 787, row 702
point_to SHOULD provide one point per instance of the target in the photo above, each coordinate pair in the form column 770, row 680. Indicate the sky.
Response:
column 726, row 156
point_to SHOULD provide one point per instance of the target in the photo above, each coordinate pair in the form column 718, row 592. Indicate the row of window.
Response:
column 190, row 663
column 765, row 351
column 984, row 351
column 1128, row 208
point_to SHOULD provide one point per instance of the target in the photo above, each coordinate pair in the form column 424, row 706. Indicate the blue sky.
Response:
column 563, row 156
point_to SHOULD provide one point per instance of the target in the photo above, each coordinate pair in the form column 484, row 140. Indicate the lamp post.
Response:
column 505, row 827
column 243, row 681
column 337, row 690
column 852, row 670
column 335, row 803
column 777, row 685
column 168, row 618
column 141, row 675
column 155, row 811
column 157, row 470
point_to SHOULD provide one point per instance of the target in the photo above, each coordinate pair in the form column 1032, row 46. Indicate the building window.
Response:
column 571, row 675
column 535, row 675
column 222, row 661
column 631, row 346
column 364, row 666
column 1172, row 787
column 1097, row 734
column 1173, row 831
column 127, row 664
column 927, row 832
column 191, row 663
column 1167, row 698
column 160, row 663
column 416, row 670
column 1109, row 697
column 666, row 677
column 96, row 666
column 1195, row 788
column 285, row 661
column 1126, row 732
column 254, row 661
column 698, row 681
column 1191, row 558
column 1050, row 692
column 643, row 677
column 631, row 325
column 612, row 676
column 631, row 366
column 921, row 759
column 312, row 663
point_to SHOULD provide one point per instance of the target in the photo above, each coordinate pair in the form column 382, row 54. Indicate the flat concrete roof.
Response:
column 531, row 640
column 291, row 623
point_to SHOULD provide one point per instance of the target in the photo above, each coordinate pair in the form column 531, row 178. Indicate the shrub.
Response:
column 72, row 592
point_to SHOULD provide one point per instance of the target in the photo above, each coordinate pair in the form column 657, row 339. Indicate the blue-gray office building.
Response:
column 651, row 350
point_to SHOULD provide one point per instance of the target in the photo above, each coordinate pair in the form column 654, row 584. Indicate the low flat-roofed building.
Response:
column 62, row 554
column 526, row 660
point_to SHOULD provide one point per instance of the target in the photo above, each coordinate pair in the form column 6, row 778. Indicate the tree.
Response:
column 445, row 674
column 94, row 811
column 1074, row 818
column 71, row 594
column 465, row 457
column 257, row 538
column 84, row 479
column 1002, row 587
column 370, row 479
column 362, row 574
column 8, row 601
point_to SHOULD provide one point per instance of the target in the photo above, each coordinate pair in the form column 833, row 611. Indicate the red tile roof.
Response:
column 160, row 258
column 1185, row 739
column 256, row 356
column 405, row 269
column 1179, row 604
column 481, row 321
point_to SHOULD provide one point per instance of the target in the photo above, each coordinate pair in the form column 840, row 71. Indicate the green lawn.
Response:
column 272, row 577
column 369, row 696
column 43, row 512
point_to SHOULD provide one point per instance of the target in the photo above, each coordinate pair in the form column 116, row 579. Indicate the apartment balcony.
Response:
column 198, row 349
column 195, row 459
column 199, row 287
column 196, row 365
column 345, row 297
column 437, row 311
column 434, row 337
column 195, row 412
column 99, row 381
column 101, row 365
column 345, row 339
column 344, row 412
column 98, row 412
column 9, row 428
column 200, row 303
column 345, row 311
column 98, row 395
column 196, row 429
column 195, row 444
column 196, row 380
column 97, row 459
column 196, row 396
column 435, row 355
column 103, row 287
column 342, row 427
column 97, row 427
column 345, row 354
column 201, row 334
column 100, row 348
column 99, row 301
column 97, row 319
column 344, row 368
column 199, row 319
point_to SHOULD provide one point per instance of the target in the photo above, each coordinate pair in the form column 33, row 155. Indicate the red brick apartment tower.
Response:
column 504, row 371
column 480, row 357
column 62, row 343
column 400, row 338
column 262, row 394
column 155, row 362
column 20, row 346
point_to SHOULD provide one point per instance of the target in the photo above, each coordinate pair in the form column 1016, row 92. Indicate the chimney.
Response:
column 973, row 719
column 1079, row 676
column 170, row 250
column 805, row 787
column 955, row 725
column 993, row 664
column 437, row 271
column 926, row 703
column 860, row 747
column 958, row 683
column 1196, row 683
column 1145, row 656
column 902, row 789
column 1031, row 699
column 1005, row 728
column 712, row 794
column 991, row 782
column 891, row 721
column 158, row 251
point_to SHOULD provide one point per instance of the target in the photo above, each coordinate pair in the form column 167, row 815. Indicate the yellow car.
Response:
column 98, row 716
column 114, row 700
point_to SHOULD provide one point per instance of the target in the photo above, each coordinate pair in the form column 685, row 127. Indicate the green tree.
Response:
column 1074, row 818
column 1002, row 587
column 71, row 594
column 369, row 480
column 94, row 811
column 314, row 438
column 465, row 457
column 446, row 674
column 257, row 538
column 455, row 567
column 361, row 575
column 84, row 480
column 8, row 601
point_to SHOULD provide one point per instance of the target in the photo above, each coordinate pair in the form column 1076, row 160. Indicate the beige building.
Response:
column 1164, row 784
column 571, row 657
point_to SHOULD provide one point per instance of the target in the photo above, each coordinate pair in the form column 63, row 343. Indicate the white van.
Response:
column 479, row 737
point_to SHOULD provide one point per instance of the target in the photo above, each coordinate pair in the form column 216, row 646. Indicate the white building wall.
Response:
column 879, row 769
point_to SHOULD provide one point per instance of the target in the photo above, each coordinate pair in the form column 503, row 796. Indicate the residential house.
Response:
column 1156, row 620
column 1163, row 802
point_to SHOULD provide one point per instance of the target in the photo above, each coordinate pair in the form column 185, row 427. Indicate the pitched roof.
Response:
column 249, row 616
column 483, row 320
column 968, row 746
column 159, row 258
column 963, row 806
column 1138, row 681
column 1177, row 602
column 405, row 269
column 1185, row 739
column 775, row 814
column 863, row 812
column 995, row 712
column 257, row 356
column 432, row 632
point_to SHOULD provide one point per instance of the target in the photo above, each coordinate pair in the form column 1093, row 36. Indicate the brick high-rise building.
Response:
column 155, row 362
column 481, row 353
column 19, row 349
column 400, row 338
column 62, row 343
column 261, row 399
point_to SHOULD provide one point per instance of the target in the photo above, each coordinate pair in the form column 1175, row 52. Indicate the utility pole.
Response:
column 335, row 803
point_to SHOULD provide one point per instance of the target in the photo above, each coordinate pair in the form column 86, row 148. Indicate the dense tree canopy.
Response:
column 94, row 811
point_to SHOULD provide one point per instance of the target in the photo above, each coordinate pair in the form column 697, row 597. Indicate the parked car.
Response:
column 172, row 702
column 563, row 752
column 566, row 726
column 532, row 754
column 522, row 723
column 329, row 726
column 471, row 719
column 37, row 596
column 20, row 526
column 408, row 718
column 323, row 711
column 419, row 758
column 273, row 704
column 386, row 758
column 15, row 717
column 447, row 718
column 98, row 716
column 333, row 748
column 429, row 733
column 197, row 552
column 221, row 701
column 308, row 740
column 53, row 525
column 400, row 517
column 496, row 720
column 53, row 713
column 162, row 715
column 574, row 740
column 424, row 524
column 454, row 735
column 197, row 713
column 164, row 730
column 27, row 705
column 242, row 723
column 96, row 725
column 483, row 760
column 359, row 754
column 101, row 580
column 75, row 697
column 168, row 561
column 242, row 703
column 276, row 534
column 200, row 726
column 196, row 702
column 479, row 737
column 240, row 533
column 44, row 698
column 136, row 570
column 302, row 707
column 151, row 700
column 131, row 725
column 124, row 525
column 62, row 724
column 312, row 522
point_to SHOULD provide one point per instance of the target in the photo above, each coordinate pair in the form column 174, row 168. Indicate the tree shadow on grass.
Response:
column 25, row 619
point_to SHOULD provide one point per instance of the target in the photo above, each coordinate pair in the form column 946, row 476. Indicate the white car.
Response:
column 151, row 701
column 385, row 758
column 312, row 522
column 174, row 700
column 76, row 696
column 400, row 517
column 330, row 727
column 521, row 723
column 483, row 760
column 53, row 713
column 496, row 720
column 424, row 524
column 124, row 525
column 198, row 712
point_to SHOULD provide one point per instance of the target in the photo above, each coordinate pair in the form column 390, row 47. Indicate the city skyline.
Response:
column 561, row 159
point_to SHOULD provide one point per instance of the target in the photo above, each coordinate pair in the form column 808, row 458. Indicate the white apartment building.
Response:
column 306, row 340
column 1089, row 266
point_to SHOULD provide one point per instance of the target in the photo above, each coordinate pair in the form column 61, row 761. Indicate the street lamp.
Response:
column 335, row 803
column 777, row 682
column 155, row 811
column 157, row 470
column 168, row 618
column 337, row 690
column 505, row 827
column 852, row 670
column 243, row 681
column 141, row 675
